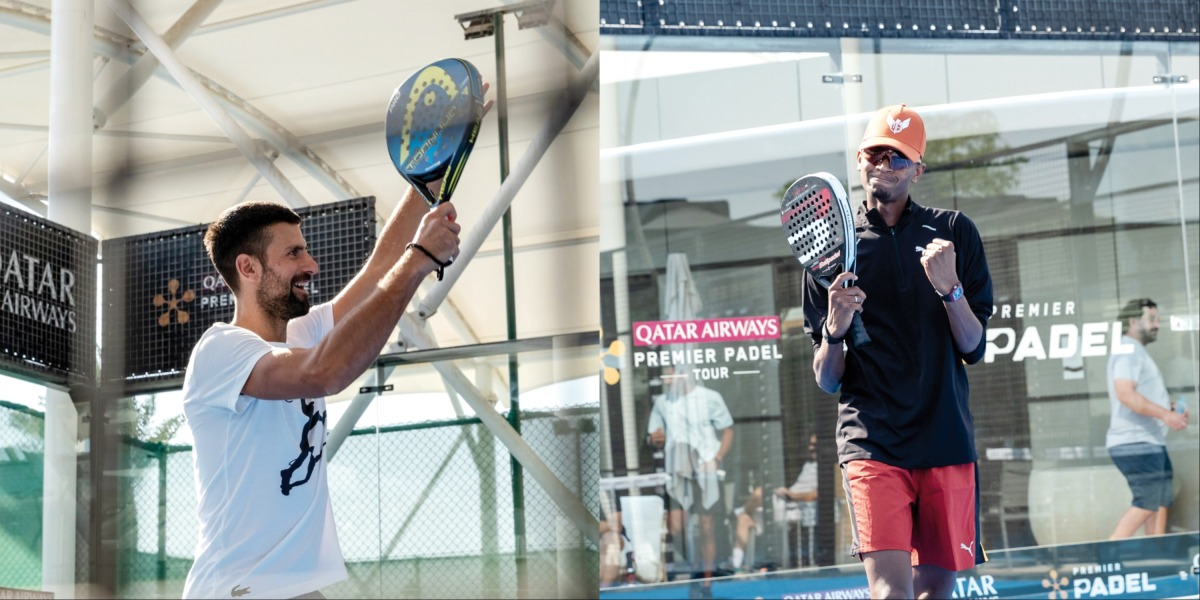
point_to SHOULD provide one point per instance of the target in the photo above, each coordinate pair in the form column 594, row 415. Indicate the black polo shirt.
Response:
column 904, row 398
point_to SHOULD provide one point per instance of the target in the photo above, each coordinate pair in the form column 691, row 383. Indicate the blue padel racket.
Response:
column 819, row 225
column 431, row 125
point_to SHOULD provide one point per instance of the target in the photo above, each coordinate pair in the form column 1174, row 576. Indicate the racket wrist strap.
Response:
column 441, row 265
column 829, row 336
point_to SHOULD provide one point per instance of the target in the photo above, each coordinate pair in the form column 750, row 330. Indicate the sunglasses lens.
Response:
column 896, row 161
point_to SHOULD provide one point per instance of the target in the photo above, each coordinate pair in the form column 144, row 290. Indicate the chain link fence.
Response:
column 21, row 444
column 422, row 510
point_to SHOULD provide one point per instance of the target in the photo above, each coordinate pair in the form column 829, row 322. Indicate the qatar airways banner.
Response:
column 47, row 299
column 708, row 348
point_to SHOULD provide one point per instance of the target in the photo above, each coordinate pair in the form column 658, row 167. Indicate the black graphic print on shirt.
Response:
column 309, row 455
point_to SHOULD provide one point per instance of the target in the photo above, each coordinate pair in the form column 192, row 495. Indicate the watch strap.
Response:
column 955, row 294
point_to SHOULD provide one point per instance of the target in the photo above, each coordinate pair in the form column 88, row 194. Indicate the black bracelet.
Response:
column 441, row 265
column 829, row 336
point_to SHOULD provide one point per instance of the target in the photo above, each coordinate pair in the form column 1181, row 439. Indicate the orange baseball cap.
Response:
column 898, row 127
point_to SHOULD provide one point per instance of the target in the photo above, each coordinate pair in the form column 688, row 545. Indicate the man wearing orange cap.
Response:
column 905, row 433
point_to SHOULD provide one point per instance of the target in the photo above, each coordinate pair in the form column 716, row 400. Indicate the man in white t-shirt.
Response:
column 254, row 392
column 693, row 426
column 1141, row 415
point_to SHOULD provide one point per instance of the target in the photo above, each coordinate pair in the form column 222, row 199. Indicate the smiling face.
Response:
column 283, row 291
column 883, row 184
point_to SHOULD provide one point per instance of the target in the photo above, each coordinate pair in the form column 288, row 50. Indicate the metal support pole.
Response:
column 141, row 71
column 560, row 494
column 70, row 192
column 514, row 388
column 487, row 219
column 162, row 514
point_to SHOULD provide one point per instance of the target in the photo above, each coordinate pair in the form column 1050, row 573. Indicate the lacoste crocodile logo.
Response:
column 237, row 591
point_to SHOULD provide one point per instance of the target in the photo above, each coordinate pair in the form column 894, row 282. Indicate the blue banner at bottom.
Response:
column 1149, row 567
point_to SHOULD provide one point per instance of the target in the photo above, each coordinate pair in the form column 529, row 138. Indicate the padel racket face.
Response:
column 816, row 218
column 819, row 226
column 431, row 125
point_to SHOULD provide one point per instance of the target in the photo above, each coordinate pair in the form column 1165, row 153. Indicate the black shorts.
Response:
column 1147, row 468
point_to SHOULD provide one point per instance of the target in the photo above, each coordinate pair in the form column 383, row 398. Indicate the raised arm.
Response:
column 364, row 328
column 397, row 232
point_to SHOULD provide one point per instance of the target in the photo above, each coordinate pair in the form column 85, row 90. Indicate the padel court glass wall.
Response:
column 423, row 492
column 1077, row 161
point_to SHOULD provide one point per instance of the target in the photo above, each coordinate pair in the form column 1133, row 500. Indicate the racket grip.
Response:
column 858, row 334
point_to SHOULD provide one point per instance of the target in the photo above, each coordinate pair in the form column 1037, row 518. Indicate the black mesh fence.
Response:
column 1061, row 19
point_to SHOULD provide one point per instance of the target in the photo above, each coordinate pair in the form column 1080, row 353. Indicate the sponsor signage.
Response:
column 708, row 349
column 1155, row 567
column 47, row 299
column 161, row 292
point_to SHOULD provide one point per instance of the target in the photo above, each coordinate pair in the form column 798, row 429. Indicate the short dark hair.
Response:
column 1133, row 310
column 242, row 229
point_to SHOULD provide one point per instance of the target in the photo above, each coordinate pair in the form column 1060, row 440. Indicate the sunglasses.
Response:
column 896, row 161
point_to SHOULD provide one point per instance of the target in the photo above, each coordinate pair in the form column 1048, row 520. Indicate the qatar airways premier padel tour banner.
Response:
column 708, row 348
column 47, row 299
column 161, row 292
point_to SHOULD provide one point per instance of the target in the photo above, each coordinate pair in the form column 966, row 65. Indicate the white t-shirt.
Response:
column 806, row 482
column 691, row 419
column 1126, row 426
column 266, row 523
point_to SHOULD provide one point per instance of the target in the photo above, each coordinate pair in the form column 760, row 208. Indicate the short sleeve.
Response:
column 309, row 330
column 1125, row 366
column 221, row 363
column 656, row 421
column 718, row 412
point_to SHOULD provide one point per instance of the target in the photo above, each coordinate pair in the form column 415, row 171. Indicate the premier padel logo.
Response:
column 172, row 304
column 611, row 362
column 898, row 126
column 1056, row 585
column 239, row 591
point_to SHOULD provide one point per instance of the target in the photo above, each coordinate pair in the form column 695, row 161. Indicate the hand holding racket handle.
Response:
column 437, row 237
column 858, row 334
column 843, row 297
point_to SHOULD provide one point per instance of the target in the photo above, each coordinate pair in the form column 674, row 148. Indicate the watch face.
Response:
column 955, row 293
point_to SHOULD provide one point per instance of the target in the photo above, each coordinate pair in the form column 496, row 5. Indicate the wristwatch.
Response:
column 955, row 293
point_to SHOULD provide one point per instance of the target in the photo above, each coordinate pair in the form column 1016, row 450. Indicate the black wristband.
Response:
column 829, row 336
column 441, row 265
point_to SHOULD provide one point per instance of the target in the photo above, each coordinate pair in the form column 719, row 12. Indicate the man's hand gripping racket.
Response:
column 819, row 226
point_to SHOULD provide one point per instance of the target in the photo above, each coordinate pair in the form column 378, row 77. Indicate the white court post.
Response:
column 69, row 185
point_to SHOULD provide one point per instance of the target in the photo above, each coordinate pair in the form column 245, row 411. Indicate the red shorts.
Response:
column 932, row 513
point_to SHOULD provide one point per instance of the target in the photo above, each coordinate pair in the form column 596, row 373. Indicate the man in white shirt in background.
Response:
column 1141, row 415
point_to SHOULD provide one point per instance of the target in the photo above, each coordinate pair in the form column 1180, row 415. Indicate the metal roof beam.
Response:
column 183, row 75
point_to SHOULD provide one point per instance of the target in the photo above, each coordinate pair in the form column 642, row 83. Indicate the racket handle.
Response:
column 430, row 200
column 858, row 334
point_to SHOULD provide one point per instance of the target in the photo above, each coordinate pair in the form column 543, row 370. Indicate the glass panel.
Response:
column 423, row 492
column 1080, row 176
